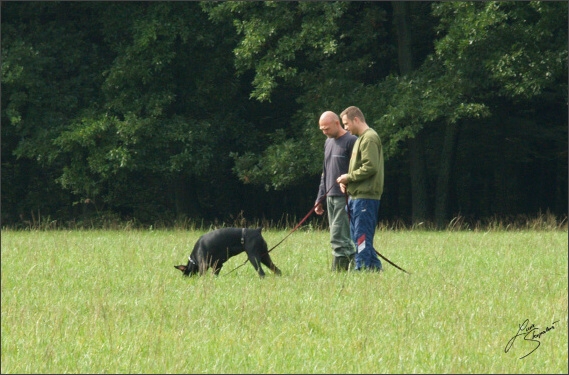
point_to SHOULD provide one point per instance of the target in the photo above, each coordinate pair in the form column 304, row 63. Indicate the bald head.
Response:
column 329, row 116
column 330, row 125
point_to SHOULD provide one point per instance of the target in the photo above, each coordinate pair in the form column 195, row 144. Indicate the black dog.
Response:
column 214, row 248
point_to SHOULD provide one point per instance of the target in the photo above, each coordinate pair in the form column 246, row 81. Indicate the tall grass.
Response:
column 112, row 221
column 111, row 302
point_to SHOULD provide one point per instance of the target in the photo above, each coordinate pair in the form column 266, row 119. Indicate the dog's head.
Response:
column 189, row 269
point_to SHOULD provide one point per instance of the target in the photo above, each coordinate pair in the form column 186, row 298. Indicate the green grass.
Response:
column 111, row 302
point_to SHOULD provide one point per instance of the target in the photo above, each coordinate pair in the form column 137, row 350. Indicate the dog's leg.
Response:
column 217, row 265
column 203, row 266
column 267, row 261
column 256, row 262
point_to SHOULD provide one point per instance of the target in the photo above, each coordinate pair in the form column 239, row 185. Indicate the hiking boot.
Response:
column 352, row 264
column 340, row 263
column 371, row 269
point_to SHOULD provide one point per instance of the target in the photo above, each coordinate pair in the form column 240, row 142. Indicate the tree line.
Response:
column 161, row 111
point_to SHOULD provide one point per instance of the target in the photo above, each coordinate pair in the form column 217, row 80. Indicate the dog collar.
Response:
column 242, row 236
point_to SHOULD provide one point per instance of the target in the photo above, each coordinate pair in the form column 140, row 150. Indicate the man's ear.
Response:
column 181, row 267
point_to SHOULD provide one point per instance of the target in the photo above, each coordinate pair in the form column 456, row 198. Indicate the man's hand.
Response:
column 343, row 181
column 319, row 209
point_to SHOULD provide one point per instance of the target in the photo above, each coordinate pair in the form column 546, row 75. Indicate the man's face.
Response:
column 348, row 124
column 328, row 127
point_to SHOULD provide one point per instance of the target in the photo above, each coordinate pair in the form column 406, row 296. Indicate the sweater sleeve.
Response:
column 321, row 188
column 368, row 163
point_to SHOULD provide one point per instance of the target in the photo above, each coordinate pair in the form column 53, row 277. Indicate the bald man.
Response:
column 337, row 151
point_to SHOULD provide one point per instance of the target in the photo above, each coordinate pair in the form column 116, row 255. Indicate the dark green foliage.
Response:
column 163, row 110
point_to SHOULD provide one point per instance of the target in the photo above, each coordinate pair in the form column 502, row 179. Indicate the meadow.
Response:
column 110, row 301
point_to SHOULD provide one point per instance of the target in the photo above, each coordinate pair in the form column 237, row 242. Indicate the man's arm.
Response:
column 369, row 162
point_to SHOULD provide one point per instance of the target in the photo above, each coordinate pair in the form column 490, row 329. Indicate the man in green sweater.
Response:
column 364, row 184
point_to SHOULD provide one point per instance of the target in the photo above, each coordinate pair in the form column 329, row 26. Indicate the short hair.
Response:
column 353, row 112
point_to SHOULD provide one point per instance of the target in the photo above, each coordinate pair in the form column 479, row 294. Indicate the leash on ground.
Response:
column 293, row 229
column 377, row 252
column 390, row 262
column 304, row 219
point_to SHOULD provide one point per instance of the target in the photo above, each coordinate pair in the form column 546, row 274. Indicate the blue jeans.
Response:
column 364, row 214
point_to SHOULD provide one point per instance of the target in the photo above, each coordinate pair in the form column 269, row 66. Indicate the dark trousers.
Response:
column 363, row 221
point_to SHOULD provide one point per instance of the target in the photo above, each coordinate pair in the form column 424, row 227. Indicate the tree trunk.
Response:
column 404, row 53
column 184, row 205
column 444, row 175
column 418, row 173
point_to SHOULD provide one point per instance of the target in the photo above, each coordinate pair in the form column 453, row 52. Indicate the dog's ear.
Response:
column 181, row 268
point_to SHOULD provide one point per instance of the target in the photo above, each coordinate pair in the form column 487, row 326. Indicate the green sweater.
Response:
column 365, row 175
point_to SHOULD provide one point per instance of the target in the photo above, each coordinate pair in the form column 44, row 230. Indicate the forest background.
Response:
column 159, row 112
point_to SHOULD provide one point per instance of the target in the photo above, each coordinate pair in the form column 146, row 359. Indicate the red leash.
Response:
column 293, row 229
column 304, row 219
column 299, row 223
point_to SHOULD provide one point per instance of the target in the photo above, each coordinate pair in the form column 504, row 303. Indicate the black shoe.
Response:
column 340, row 264
column 370, row 269
column 374, row 269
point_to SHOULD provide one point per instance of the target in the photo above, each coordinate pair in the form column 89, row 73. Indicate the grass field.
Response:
column 111, row 302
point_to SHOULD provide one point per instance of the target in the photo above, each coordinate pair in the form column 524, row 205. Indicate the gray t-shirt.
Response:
column 337, row 153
